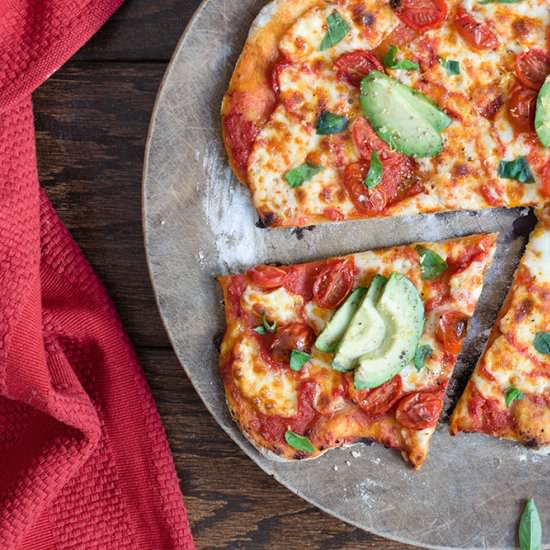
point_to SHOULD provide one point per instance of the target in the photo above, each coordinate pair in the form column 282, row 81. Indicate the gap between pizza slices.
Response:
column 312, row 147
column 355, row 348
column 508, row 395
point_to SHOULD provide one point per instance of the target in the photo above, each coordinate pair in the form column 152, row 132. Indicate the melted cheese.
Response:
column 277, row 305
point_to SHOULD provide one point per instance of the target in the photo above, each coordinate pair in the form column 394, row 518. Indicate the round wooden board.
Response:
column 199, row 223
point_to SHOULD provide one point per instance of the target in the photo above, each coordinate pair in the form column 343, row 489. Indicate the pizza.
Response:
column 347, row 349
column 347, row 109
column 508, row 395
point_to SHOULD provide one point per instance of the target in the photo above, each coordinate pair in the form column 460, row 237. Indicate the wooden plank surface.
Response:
column 92, row 120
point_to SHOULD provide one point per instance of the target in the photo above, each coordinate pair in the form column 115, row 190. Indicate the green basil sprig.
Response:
column 421, row 355
column 376, row 171
column 431, row 263
column 265, row 327
column 299, row 442
column 530, row 528
column 500, row 1
column 298, row 359
column 337, row 28
column 299, row 175
column 391, row 62
column 516, row 170
column 542, row 342
column 452, row 66
column 330, row 123
column 512, row 394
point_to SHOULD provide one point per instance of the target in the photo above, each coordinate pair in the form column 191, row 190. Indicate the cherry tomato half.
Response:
column 333, row 284
column 267, row 276
column 353, row 66
column 419, row 410
column 368, row 201
column 297, row 336
column 381, row 399
column 451, row 330
column 475, row 33
column 422, row 15
column 532, row 68
column 521, row 106
column 366, row 141
column 545, row 179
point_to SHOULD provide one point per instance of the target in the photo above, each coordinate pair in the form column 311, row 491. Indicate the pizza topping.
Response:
column 421, row 14
column 265, row 327
column 379, row 400
column 299, row 442
column 512, row 394
column 452, row 66
column 240, row 135
column 422, row 354
column 299, row 175
column 476, row 34
column 521, row 108
column 482, row 2
column 365, row 200
column 451, row 330
column 542, row 342
column 333, row 284
column 432, row 265
column 296, row 336
column 375, row 173
column 365, row 332
column 419, row 410
column 331, row 335
column 351, row 67
column 402, row 311
column 330, row 123
column 542, row 117
column 337, row 28
column 530, row 528
column 517, row 169
column 391, row 62
column 281, row 63
column 267, row 277
column 532, row 67
column 300, row 279
column 298, row 359
column 405, row 119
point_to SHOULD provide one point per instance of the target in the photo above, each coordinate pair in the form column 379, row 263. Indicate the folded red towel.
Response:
column 84, row 461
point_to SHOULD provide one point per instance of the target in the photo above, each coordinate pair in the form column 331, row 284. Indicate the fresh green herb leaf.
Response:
column 500, row 1
column 542, row 342
column 422, row 353
column 431, row 264
column 329, row 123
column 391, row 62
column 452, row 66
column 265, row 327
column 530, row 528
column 337, row 28
column 299, row 442
column 299, row 175
column 512, row 394
column 376, row 171
column 298, row 359
column 516, row 170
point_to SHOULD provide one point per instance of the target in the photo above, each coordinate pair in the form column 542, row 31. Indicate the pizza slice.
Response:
column 508, row 395
column 363, row 108
column 359, row 347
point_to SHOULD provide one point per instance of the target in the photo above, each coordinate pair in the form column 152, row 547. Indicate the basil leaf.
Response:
column 337, row 28
column 542, row 342
column 265, row 327
column 298, row 359
column 391, row 62
column 329, row 123
column 260, row 329
column 376, row 171
column 500, row 1
column 422, row 353
column 431, row 264
column 512, row 394
column 516, row 170
column 299, row 175
column 452, row 66
column 530, row 528
column 299, row 442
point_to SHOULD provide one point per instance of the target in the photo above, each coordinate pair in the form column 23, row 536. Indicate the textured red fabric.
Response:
column 84, row 461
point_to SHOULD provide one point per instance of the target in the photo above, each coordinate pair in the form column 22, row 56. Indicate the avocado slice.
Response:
column 404, row 118
column 328, row 340
column 542, row 115
column 402, row 310
column 365, row 332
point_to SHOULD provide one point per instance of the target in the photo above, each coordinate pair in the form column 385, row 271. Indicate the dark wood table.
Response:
column 92, row 118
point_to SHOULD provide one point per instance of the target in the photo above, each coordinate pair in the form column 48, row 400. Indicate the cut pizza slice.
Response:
column 359, row 347
column 508, row 395
column 363, row 108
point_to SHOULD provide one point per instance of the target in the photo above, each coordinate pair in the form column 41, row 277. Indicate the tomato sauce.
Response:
column 487, row 414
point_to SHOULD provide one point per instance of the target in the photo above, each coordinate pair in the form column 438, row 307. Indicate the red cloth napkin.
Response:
column 84, row 461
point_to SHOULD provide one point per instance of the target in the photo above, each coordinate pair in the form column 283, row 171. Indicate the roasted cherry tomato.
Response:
column 353, row 66
column 419, row 410
column 267, row 276
column 532, row 68
column 422, row 15
column 300, row 279
column 281, row 63
column 297, row 336
column 368, row 201
column 366, row 141
column 521, row 106
column 475, row 33
column 333, row 284
column 381, row 399
column 451, row 330
column 545, row 180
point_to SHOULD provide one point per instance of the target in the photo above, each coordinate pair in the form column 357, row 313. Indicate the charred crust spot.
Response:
column 368, row 19
column 266, row 220
column 395, row 4
column 368, row 441
column 217, row 339
column 531, row 443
